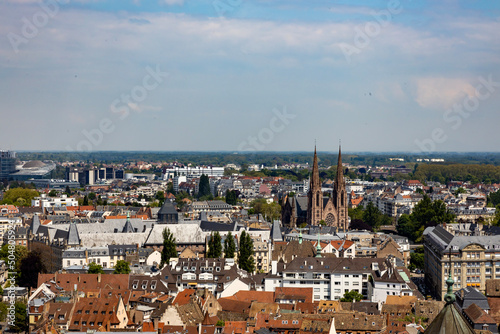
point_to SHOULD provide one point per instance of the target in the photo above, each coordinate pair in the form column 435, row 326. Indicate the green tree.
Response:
column 160, row 196
column 52, row 193
column 204, row 186
column 170, row 188
column 122, row 267
column 496, row 219
column 20, row 252
column 229, row 246
column 231, row 197
column 372, row 216
column 30, row 267
column 350, row 296
column 3, row 311
column 356, row 213
column 245, row 258
column 417, row 258
column 426, row 213
column 19, row 196
column 169, row 247
column 85, row 201
column 95, row 268
column 214, row 246
column 67, row 191
column 21, row 319
column 92, row 196
column 494, row 198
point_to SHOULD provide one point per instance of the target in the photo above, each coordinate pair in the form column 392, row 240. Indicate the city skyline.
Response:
column 174, row 75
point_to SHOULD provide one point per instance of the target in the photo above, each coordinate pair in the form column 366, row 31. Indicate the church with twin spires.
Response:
column 317, row 207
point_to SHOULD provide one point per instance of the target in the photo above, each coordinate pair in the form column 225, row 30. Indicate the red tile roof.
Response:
column 184, row 297
column 250, row 296
column 305, row 294
column 84, row 282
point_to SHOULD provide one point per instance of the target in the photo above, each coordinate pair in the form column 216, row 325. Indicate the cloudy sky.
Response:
column 239, row 75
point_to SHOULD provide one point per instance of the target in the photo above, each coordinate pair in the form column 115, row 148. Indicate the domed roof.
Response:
column 34, row 164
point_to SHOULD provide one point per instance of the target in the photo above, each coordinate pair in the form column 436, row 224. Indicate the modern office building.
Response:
column 90, row 176
column 7, row 164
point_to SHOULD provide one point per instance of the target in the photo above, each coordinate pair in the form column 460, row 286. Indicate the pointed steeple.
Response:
column 318, row 247
column 128, row 226
column 339, row 180
column 315, row 183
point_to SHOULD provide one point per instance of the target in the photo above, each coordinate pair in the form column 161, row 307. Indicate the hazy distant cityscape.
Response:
column 249, row 167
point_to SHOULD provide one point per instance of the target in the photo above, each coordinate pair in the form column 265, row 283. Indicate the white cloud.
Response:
column 441, row 93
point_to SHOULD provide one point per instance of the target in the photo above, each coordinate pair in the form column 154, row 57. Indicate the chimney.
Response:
column 99, row 277
column 199, row 328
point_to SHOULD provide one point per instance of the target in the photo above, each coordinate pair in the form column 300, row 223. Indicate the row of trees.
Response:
column 245, row 251
column 473, row 173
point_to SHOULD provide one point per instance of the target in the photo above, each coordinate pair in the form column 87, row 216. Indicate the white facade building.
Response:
column 46, row 202
column 330, row 278
column 193, row 172
column 390, row 282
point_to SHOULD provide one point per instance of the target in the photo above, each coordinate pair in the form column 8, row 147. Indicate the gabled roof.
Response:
column 83, row 282
column 184, row 297
column 469, row 295
column 477, row 315
column 283, row 293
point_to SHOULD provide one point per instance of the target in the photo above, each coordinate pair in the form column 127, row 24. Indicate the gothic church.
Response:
column 316, row 207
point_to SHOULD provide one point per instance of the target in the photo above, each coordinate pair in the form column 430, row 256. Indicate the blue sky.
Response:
column 240, row 75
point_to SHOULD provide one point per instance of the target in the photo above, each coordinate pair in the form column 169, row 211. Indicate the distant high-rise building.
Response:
column 7, row 164
column 92, row 175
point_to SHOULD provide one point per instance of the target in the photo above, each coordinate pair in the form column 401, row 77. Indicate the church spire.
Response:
column 339, row 180
column 315, row 183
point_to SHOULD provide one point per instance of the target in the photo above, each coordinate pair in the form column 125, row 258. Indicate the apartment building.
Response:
column 471, row 260
column 46, row 202
column 330, row 278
